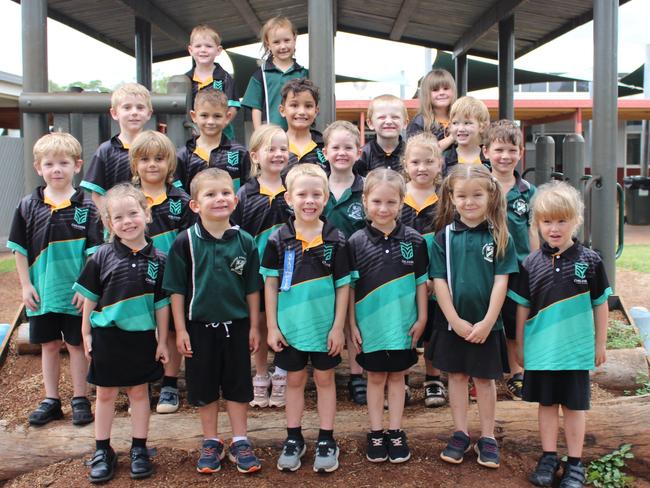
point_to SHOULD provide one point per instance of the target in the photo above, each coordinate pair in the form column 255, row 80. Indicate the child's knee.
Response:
column 376, row 378
column 324, row 379
column 396, row 377
column 52, row 347
column 138, row 393
column 104, row 394
column 458, row 377
column 484, row 383
column 296, row 379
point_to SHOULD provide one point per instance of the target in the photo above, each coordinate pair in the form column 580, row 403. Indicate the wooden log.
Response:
column 609, row 423
column 622, row 369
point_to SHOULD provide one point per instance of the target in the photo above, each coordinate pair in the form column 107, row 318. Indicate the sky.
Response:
column 76, row 57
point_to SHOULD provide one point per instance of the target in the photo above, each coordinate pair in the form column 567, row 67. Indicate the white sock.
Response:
column 238, row 438
column 280, row 372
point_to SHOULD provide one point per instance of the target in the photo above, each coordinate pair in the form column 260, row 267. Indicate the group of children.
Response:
column 216, row 252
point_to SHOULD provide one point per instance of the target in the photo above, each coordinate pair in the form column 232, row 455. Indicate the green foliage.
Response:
column 608, row 471
column 7, row 264
column 635, row 258
column 159, row 83
column 643, row 381
column 622, row 336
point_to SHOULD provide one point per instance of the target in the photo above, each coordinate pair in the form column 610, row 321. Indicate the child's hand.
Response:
column 601, row 355
column 30, row 297
column 416, row 331
column 78, row 301
column 356, row 337
column 88, row 345
column 462, row 327
column 162, row 353
column 183, row 344
column 254, row 340
column 276, row 340
column 335, row 341
column 479, row 332
column 430, row 290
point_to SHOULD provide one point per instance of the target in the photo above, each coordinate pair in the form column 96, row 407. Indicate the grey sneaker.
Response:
column 327, row 456
column 169, row 400
column 292, row 451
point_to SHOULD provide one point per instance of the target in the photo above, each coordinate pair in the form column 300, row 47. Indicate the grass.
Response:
column 635, row 258
column 622, row 336
column 7, row 264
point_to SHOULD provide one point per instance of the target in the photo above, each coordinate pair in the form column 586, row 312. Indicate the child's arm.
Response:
column 352, row 321
column 256, row 116
column 89, row 306
column 461, row 327
column 421, row 299
column 482, row 329
column 336, row 337
column 183, row 343
column 446, row 142
column 162, row 324
column 601, row 317
column 30, row 295
column 253, row 301
column 520, row 318
column 275, row 339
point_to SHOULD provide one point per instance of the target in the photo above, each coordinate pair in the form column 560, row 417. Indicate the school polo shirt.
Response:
column 259, row 213
column 420, row 218
column 373, row 156
column 416, row 126
column 313, row 153
column 308, row 279
column 346, row 213
column 56, row 242
column 256, row 93
column 561, row 290
column 474, row 263
column 126, row 284
column 170, row 214
column 109, row 166
column 451, row 160
column 519, row 215
column 386, row 271
column 230, row 156
column 214, row 275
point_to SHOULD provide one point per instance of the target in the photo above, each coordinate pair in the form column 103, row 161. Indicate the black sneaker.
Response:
column 81, row 412
column 457, row 446
column 141, row 465
column 574, row 476
column 102, row 465
column 515, row 386
column 398, row 448
column 377, row 451
column 48, row 410
column 487, row 450
column 545, row 471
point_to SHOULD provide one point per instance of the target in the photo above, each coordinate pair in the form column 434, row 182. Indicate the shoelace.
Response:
column 396, row 441
column 278, row 390
column 324, row 448
column 291, row 447
column 260, row 391
column 457, row 443
column 208, row 451
column 243, row 451
column 166, row 396
column 489, row 447
column 377, row 441
column 433, row 390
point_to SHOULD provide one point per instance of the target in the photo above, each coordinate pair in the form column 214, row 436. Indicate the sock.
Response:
column 549, row 453
column 325, row 435
column 137, row 442
column 394, row 431
column 377, row 433
column 79, row 398
column 430, row 377
column 237, row 438
column 280, row 371
column 295, row 433
column 103, row 443
column 170, row 381
column 573, row 461
column 356, row 376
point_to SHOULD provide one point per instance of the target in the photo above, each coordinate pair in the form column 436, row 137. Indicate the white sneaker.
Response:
column 278, row 391
column 261, row 386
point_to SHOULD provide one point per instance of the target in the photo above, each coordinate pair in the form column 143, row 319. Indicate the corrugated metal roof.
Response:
column 434, row 23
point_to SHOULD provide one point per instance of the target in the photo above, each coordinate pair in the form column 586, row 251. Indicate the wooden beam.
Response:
column 496, row 13
column 406, row 10
column 247, row 13
column 146, row 10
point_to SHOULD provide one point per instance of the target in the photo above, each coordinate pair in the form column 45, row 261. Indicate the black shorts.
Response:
column 55, row 327
column 432, row 308
column 509, row 317
column 386, row 361
column 123, row 358
column 291, row 359
column 568, row 388
column 220, row 363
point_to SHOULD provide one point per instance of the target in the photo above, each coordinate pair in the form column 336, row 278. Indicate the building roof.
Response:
column 459, row 26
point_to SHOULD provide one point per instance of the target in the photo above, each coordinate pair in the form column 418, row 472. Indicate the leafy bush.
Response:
column 622, row 336
column 607, row 472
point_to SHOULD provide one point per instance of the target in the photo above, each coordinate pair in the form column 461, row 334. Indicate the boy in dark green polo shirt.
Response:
column 213, row 276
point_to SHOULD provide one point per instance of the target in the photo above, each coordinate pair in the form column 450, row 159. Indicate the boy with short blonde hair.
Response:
column 468, row 120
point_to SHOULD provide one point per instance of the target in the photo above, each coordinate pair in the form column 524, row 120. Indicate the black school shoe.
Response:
column 102, row 465
column 398, row 448
column 574, row 476
column 81, row 412
column 48, row 410
column 141, row 465
column 546, row 470
column 377, row 450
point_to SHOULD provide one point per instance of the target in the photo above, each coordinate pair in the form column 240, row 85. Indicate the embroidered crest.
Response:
column 152, row 269
column 355, row 211
column 237, row 265
column 217, row 85
column 328, row 249
column 488, row 252
column 233, row 158
column 520, row 206
column 80, row 215
column 175, row 207
column 581, row 270
column 406, row 248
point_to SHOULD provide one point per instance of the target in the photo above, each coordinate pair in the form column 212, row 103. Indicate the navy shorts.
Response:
column 291, row 359
column 55, row 327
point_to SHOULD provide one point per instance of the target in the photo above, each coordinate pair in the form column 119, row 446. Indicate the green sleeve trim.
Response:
column 17, row 248
column 161, row 303
column 85, row 292
column 234, row 103
column 518, row 298
column 177, row 184
column 92, row 187
column 421, row 279
column 346, row 280
column 602, row 298
column 354, row 275
column 268, row 272
column 91, row 250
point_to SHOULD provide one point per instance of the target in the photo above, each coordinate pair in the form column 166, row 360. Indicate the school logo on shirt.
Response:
column 233, row 158
column 175, row 207
column 581, row 273
column 328, row 249
column 488, row 252
column 237, row 265
column 406, row 248
column 321, row 157
column 152, row 271
column 355, row 211
column 520, row 206
column 80, row 218
column 217, row 85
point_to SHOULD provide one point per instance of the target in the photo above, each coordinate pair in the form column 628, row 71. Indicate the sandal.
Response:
column 357, row 390
column 515, row 386
column 81, row 412
column 48, row 410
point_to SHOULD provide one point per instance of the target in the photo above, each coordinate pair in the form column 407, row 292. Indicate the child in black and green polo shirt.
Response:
column 212, row 149
column 213, row 276
column 53, row 231
column 305, row 266
column 124, row 307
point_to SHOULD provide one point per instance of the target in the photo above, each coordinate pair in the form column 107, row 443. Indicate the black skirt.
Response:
column 568, row 388
column 386, row 361
column 121, row 358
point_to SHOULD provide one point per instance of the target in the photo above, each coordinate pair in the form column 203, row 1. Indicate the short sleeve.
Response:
column 506, row 264
column 252, row 277
column 438, row 264
column 254, row 95
column 95, row 176
column 175, row 276
column 188, row 217
column 341, row 265
column 237, row 215
column 182, row 159
column 599, row 288
column 230, row 89
column 89, row 282
column 17, row 241
column 245, row 170
column 519, row 287
column 352, row 260
column 160, row 295
column 271, row 260
column 94, row 231
column 421, row 263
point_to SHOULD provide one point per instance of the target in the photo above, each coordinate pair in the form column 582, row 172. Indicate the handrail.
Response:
column 594, row 180
column 621, row 220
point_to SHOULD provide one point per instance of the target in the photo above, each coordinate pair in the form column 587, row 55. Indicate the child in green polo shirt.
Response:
column 306, row 273
column 213, row 277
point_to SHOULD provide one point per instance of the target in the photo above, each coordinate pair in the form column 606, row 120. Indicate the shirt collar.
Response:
column 329, row 232
column 520, row 183
column 123, row 251
column 380, row 150
column 202, row 233
column 376, row 235
column 117, row 143
column 458, row 226
column 569, row 253
column 77, row 197
column 269, row 66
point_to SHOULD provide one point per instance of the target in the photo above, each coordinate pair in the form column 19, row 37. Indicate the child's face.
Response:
column 383, row 204
column 274, row 157
column 471, row 201
column 215, row 200
column 57, row 170
column 131, row 113
column 152, row 170
column 307, row 198
column 342, row 150
column 282, row 43
column 421, row 166
column 557, row 232
column 441, row 97
column 211, row 119
column 465, row 131
column 387, row 119
column 204, row 50
column 300, row 110
column 503, row 156
column 127, row 219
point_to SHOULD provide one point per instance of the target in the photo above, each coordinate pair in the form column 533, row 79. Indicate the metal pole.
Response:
column 34, row 39
column 460, row 64
column 176, row 130
column 507, row 68
column 143, row 52
column 321, row 56
column 544, row 159
column 605, row 123
column 645, row 126
column 573, row 158
column 76, row 129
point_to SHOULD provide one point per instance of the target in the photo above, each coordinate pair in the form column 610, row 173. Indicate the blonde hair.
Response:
column 384, row 175
column 433, row 80
column 272, row 24
column 214, row 174
column 557, row 200
column 216, row 98
column 427, row 141
column 120, row 192
column 342, row 125
column 471, row 108
column 260, row 139
column 496, row 206
column 387, row 99
column 205, row 30
column 306, row 169
column 506, row 131
column 130, row 90
column 151, row 143
column 57, row 143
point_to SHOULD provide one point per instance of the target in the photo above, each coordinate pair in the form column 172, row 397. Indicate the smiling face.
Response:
column 127, row 220
column 383, row 204
column 341, row 150
column 465, row 130
column 441, row 97
column 471, row 201
column 215, row 199
column 204, row 49
column 152, row 169
column 273, row 157
column 282, row 43
column 210, row 118
column 131, row 113
column 57, row 170
column 422, row 166
column 300, row 110
column 307, row 196
column 387, row 119
column 503, row 157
